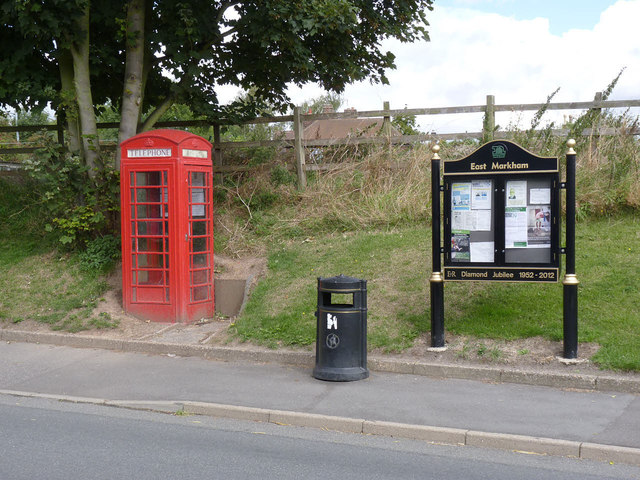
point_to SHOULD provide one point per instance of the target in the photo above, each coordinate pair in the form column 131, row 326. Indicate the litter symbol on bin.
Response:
column 333, row 341
column 332, row 321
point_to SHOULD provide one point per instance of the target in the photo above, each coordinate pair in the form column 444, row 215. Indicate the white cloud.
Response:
column 474, row 54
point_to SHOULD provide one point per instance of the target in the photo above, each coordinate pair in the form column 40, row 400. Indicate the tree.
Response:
column 316, row 105
column 406, row 124
column 147, row 55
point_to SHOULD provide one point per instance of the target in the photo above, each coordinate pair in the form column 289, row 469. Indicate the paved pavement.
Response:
column 596, row 418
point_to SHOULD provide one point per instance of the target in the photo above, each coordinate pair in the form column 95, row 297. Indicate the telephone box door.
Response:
column 198, row 268
column 148, row 235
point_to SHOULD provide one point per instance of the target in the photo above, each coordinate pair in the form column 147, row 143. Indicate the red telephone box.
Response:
column 167, row 226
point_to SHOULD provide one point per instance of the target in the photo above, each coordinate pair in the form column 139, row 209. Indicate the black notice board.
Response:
column 502, row 216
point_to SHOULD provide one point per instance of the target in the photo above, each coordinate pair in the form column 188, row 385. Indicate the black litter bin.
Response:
column 341, row 335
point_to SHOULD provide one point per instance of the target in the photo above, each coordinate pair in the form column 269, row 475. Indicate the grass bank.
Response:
column 36, row 281
column 396, row 264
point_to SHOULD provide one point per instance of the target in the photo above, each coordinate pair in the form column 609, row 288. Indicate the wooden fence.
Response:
column 299, row 144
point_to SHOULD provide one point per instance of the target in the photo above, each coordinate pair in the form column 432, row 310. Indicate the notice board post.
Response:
column 436, row 283
column 570, row 281
column 502, row 222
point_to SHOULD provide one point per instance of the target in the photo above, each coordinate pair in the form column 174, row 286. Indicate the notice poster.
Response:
column 515, row 227
column 481, row 195
column 540, row 196
column 517, row 193
column 539, row 226
column 461, row 196
column 482, row 252
column 475, row 220
column 460, row 246
column 482, row 220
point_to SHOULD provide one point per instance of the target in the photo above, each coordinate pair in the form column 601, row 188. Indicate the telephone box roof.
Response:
column 174, row 136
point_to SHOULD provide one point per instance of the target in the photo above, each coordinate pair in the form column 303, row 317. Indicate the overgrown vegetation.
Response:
column 372, row 188
column 77, row 210
column 37, row 281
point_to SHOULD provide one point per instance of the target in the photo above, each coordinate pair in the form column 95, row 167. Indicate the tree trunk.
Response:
column 68, row 101
column 88, row 128
column 158, row 112
column 133, row 88
column 147, row 65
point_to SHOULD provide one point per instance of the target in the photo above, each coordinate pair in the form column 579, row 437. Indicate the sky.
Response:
column 520, row 51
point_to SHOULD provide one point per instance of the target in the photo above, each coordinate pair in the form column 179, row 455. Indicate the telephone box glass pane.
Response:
column 198, row 179
column 200, row 244
column 150, row 245
column 150, row 260
column 148, row 194
column 199, row 228
column 199, row 277
column 199, row 211
column 150, row 178
column 199, row 294
column 150, row 277
column 200, row 260
column 150, row 228
column 150, row 211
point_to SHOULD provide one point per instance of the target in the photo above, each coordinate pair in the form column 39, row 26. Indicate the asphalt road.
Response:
column 42, row 438
column 596, row 417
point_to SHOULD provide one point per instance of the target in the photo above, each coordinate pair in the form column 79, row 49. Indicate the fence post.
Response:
column 217, row 151
column 489, row 124
column 386, row 128
column 596, row 125
column 298, row 131
column 386, row 122
column 597, row 99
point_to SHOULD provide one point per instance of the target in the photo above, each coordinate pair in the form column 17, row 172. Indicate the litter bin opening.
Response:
column 338, row 299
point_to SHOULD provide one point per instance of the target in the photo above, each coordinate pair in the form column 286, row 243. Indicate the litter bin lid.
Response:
column 341, row 282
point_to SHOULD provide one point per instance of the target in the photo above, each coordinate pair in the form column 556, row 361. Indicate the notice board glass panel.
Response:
column 472, row 224
column 528, row 222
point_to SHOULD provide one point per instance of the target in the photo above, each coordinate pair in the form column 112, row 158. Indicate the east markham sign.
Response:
column 501, row 223
column 501, row 216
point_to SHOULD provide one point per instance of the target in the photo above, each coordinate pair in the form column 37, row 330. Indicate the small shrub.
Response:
column 281, row 176
column 80, row 207
column 219, row 196
column 101, row 254
column 263, row 199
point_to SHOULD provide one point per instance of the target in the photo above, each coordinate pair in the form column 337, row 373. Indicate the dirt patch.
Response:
column 132, row 327
column 535, row 351
column 245, row 267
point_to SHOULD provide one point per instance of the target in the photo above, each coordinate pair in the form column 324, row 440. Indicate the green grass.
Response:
column 49, row 288
column 396, row 265
column 281, row 308
column 607, row 265
column 36, row 282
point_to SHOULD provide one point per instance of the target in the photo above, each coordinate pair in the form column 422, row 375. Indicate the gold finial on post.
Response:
column 570, row 144
column 435, row 148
